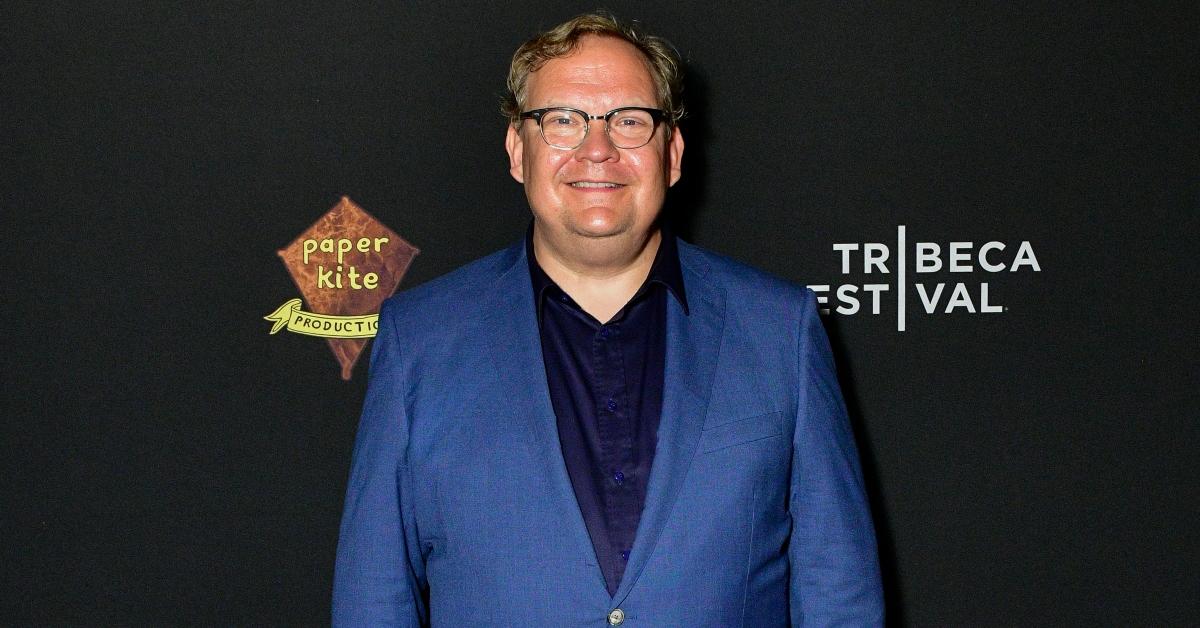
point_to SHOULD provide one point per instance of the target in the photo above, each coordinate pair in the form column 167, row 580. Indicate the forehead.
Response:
column 603, row 71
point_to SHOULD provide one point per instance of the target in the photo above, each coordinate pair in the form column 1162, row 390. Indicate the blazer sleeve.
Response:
column 834, row 575
column 379, row 576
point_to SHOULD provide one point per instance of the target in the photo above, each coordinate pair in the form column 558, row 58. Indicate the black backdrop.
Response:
column 166, row 461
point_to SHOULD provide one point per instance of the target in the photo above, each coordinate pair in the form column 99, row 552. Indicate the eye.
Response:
column 559, row 118
column 631, row 121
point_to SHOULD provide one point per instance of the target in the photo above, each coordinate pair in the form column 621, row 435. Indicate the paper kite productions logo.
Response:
column 345, row 265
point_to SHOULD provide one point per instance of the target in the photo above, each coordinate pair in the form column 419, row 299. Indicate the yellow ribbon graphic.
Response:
column 322, row 325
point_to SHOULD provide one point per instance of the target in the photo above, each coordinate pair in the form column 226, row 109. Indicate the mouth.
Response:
column 596, row 185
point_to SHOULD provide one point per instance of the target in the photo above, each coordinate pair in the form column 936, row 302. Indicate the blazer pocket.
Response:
column 741, row 431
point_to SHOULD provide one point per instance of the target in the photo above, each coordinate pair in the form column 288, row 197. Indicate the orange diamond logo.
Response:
column 345, row 265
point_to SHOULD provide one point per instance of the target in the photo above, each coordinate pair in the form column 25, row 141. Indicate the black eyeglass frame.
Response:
column 658, row 115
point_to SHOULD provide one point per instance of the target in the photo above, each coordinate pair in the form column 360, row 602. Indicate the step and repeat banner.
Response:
column 204, row 207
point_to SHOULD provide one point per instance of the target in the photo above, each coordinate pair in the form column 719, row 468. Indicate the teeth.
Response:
column 593, row 184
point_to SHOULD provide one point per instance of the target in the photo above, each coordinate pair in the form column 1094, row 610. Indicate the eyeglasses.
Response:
column 626, row 127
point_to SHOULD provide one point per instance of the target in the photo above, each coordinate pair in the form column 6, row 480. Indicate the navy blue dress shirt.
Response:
column 606, row 384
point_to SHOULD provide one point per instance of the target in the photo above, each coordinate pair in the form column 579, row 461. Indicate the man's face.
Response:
column 596, row 190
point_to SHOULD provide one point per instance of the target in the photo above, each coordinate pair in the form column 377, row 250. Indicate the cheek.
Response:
column 542, row 165
column 650, row 164
column 652, row 171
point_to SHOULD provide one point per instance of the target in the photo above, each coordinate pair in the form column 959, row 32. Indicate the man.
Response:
column 602, row 425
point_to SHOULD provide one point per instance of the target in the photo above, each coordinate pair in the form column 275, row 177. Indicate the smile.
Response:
column 596, row 185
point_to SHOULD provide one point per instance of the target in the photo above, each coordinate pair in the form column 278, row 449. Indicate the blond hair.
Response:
column 661, row 59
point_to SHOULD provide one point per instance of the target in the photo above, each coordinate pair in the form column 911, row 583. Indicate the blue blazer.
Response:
column 459, row 510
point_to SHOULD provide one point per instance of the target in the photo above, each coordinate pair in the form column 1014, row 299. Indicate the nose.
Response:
column 596, row 146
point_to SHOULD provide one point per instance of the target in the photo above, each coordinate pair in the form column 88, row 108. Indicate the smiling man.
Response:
column 603, row 425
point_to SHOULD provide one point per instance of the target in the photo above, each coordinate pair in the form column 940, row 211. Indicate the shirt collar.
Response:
column 664, row 271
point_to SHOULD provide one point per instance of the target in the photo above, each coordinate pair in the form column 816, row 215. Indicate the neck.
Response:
column 603, row 281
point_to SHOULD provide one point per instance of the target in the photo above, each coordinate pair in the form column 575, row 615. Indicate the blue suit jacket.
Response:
column 459, row 510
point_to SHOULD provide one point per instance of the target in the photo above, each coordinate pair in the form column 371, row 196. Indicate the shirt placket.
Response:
column 616, row 440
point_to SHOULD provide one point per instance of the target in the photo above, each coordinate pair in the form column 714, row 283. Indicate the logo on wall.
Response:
column 345, row 265
column 933, row 297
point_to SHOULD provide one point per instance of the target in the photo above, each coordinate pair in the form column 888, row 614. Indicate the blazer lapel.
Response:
column 693, row 343
column 518, row 363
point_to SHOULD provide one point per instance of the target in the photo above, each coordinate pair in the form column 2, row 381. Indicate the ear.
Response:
column 675, row 155
column 516, row 153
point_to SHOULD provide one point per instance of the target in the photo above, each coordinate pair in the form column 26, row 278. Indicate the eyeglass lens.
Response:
column 630, row 128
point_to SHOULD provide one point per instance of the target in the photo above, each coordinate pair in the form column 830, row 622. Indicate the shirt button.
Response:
column 618, row 477
column 616, row 617
column 605, row 332
column 625, row 554
column 564, row 298
column 611, row 405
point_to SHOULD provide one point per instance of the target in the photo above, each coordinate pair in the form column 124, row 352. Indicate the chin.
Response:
column 600, row 222
column 596, row 232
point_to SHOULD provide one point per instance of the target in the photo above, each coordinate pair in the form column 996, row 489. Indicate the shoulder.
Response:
column 743, row 284
column 767, row 317
column 455, row 296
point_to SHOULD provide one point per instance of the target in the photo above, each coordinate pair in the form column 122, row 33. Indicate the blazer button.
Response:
column 616, row 618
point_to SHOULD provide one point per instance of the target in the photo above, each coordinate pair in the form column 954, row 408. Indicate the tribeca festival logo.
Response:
column 345, row 265
column 934, row 297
